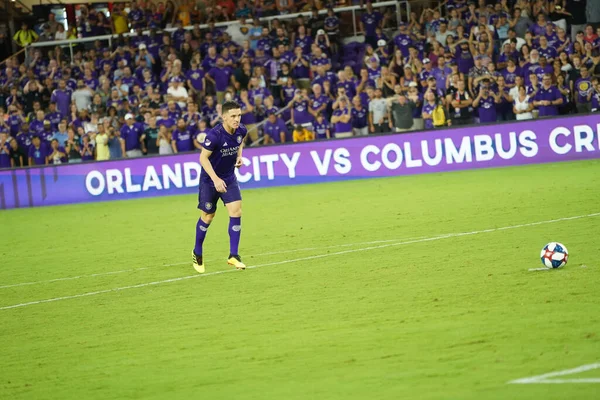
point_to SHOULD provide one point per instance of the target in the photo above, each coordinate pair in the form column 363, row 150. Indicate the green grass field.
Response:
column 354, row 296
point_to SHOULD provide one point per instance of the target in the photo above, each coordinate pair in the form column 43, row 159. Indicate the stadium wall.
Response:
column 481, row 146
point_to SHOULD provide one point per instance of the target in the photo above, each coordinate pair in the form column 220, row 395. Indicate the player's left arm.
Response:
column 238, row 160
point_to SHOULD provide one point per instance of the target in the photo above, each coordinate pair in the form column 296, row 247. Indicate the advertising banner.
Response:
column 483, row 146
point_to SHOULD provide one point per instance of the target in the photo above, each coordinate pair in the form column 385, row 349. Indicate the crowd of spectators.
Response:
column 456, row 63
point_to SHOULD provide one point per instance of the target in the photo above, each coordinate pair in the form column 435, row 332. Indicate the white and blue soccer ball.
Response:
column 554, row 255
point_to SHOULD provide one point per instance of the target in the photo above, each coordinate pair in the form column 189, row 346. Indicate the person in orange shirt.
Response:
column 184, row 13
column 302, row 134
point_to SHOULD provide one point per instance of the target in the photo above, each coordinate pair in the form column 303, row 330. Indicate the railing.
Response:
column 399, row 5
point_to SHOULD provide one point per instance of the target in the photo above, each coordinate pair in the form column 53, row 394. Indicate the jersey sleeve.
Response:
column 210, row 141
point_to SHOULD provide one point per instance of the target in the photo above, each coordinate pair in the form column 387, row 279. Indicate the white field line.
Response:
column 401, row 243
column 544, row 378
column 70, row 278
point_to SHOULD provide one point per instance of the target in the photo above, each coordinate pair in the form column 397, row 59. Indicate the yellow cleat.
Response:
column 236, row 261
column 197, row 263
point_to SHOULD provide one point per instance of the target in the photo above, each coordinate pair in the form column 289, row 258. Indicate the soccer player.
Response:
column 221, row 154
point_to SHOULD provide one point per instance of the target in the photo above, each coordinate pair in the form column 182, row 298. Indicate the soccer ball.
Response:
column 554, row 255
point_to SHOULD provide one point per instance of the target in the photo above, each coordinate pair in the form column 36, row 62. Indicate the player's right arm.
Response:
column 208, row 168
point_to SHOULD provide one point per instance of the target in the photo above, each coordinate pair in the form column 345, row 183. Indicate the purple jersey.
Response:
column 403, row 42
column 38, row 155
column 371, row 22
column 301, row 114
column 583, row 86
column 274, row 129
column 321, row 129
column 54, row 119
column 167, row 122
column 343, row 127
column 359, row 117
column 4, row 156
column 487, row 109
column 195, row 76
column 224, row 147
column 304, row 43
column 36, row 127
column 183, row 139
column 131, row 135
column 428, row 109
column 62, row 98
column 550, row 94
column 221, row 77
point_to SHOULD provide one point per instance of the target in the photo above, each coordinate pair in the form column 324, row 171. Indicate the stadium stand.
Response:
column 148, row 78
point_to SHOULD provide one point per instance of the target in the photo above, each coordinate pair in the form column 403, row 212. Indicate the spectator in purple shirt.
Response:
column 182, row 137
column 220, row 77
column 62, row 97
column 131, row 137
column 369, row 22
column 548, row 98
column 37, row 152
column 274, row 129
column 486, row 102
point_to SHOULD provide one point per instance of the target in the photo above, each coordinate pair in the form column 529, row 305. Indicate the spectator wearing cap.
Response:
column 382, row 50
column 131, row 137
column 425, row 72
column 177, row 92
column 274, row 129
column 323, row 42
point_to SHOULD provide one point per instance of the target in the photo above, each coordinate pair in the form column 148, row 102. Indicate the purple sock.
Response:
column 235, row 231
column 201, row 229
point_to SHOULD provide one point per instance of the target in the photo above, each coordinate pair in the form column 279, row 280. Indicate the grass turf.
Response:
column 453, row 318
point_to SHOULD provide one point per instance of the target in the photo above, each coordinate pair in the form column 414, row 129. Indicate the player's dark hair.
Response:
column 230, row 105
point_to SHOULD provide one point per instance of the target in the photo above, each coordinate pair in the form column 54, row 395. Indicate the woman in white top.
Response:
column 60, row 34
column 163, row 141
column 522, row 107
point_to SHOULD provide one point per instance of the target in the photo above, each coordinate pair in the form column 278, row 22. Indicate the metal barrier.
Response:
column 399, row 5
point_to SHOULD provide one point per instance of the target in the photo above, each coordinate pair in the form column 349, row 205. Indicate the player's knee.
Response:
column 235, row 212
column 207, row 218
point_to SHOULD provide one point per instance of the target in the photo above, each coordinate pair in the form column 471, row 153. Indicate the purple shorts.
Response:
column 208, row 195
